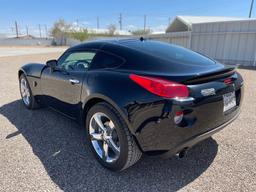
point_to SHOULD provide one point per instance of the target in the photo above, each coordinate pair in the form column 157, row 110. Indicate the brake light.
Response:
column 161, row 87
column 228, row 81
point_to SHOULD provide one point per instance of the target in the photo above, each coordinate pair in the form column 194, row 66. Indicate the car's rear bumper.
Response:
column 157, row 132
column 185, row 145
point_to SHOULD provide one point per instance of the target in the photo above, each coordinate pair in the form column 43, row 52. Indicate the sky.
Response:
column 31, row 13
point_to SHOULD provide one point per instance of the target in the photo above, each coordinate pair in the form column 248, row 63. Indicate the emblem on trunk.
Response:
column 208, row 92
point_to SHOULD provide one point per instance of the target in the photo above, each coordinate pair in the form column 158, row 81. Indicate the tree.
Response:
column 111, row 29
column 141, row 32
column 60, row 31
column 80, row 35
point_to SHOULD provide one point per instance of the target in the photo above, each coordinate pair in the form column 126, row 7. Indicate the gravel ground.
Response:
column 28, row 50
column 42, row 151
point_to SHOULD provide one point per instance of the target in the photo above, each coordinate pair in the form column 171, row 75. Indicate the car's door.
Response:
column 62, row 86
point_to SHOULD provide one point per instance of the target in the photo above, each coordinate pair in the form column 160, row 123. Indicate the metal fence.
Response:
column 232, row 42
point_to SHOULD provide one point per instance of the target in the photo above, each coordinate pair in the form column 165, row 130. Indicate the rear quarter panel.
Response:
column 149, row 117
column 126, row 96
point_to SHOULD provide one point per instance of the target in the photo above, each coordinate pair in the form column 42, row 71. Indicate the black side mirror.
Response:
column 52, row 64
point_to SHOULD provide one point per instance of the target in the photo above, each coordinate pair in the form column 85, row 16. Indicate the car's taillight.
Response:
column 228, row 81
column 161, row 87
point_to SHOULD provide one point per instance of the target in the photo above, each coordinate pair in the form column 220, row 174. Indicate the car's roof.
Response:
column 98, row 44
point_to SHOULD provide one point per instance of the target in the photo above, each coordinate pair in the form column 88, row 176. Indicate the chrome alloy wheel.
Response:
column 25, row 93
column 104, row 137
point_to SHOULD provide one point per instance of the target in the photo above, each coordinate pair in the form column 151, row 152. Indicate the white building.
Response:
column 228, row 40
column 185, row 23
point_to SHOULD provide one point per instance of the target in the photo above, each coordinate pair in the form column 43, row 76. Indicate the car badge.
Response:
column 208, row 92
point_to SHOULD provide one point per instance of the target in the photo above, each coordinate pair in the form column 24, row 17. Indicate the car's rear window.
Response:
column 169, row 52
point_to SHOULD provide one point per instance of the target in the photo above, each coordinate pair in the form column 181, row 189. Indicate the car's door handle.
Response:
column 74, row 81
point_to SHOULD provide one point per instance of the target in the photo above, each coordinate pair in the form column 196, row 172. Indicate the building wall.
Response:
column 232, row 42
column 228, row 42
column 178, row 38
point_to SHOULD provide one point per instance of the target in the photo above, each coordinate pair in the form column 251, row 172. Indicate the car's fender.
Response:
column 32, row 69
column 33, row 73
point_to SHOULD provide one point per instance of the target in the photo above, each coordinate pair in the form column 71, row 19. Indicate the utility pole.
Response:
column 27, row 30
column 77, row 22
column 46, row 31
column 40, row 33
column 120, row 21
column 145, row 21
column 98, row 22
column 250, row 14
column 16, row 29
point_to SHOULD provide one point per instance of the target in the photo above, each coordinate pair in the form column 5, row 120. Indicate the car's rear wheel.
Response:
column 26, row 95
column 110, row 139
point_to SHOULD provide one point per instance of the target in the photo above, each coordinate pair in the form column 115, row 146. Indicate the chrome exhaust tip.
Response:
column 182, row 153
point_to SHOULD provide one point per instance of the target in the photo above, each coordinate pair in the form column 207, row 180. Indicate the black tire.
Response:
column 129, row 151
column 32, row 102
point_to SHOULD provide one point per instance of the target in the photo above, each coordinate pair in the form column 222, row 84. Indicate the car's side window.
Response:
column 76, row 61
column 106, row 60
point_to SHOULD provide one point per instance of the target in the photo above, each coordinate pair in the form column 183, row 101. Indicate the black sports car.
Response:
column 136, row 96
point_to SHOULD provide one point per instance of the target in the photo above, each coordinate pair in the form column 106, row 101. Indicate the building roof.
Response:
column 184, row 23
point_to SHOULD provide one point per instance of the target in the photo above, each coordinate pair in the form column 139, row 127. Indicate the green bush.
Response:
column 79, row 35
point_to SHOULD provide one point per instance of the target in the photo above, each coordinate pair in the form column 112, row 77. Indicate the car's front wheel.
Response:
column 26, row 94
column 110, row 139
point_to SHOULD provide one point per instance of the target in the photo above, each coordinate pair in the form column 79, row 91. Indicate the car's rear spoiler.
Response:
column 226, row 72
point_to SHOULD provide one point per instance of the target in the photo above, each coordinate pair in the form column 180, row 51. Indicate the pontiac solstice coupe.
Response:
column 136, row 96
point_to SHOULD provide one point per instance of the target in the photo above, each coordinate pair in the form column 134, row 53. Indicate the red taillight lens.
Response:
column 161, row 87
column 228, row 81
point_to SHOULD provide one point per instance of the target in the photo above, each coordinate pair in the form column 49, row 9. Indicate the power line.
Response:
column 16, row 29
column 40, row 33
column 46, row 31
column 98, row 22
column 120, row 21
column 27, row 30
column 250, row 13
column 145, row 22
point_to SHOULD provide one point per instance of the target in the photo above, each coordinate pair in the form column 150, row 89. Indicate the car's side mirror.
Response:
column 52, row 64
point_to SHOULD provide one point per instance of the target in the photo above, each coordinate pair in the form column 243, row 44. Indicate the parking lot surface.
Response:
column 43, row 151
column 28, row 50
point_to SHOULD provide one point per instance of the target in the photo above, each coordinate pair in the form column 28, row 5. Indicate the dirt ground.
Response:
column 28, row 50
column 43, row 151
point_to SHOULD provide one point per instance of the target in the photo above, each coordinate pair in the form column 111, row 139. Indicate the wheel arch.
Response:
column 20, row 72
column 97, row 98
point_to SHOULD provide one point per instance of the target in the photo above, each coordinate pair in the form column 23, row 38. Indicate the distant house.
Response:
column 102, row 31
column 230, row 40
column 99, row 30
column 185, row 23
